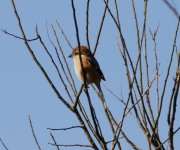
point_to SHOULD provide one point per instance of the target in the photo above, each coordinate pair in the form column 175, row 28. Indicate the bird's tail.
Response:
column 98, row 85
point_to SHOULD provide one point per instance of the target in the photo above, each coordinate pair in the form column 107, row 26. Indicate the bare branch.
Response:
column 100, row 28
column 35, row 59
column 62, row 53
column 112, row 140
column 54, row 64
column 34, row 135
column 77, row 97
column 167, row 75
column 62, row 31
column 168, row 138
column 15, row 36
column 3, row 144
column 72, row 85
column 87, row 24
column 64, row 129
column 94, row 118
column 72, row 145
column 55, row 144
column 176, row 92
column 171, row 8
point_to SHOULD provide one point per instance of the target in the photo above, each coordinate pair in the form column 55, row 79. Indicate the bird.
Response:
column 92, row 70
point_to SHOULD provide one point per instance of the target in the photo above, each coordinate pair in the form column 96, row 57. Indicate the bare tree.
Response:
column 142, row 88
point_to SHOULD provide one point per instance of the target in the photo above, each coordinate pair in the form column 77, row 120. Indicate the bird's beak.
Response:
column 70, row 56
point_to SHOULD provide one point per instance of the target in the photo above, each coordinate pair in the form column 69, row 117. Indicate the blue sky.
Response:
column 24, row 90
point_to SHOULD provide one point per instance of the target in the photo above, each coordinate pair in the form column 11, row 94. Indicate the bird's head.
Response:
column 83, row 51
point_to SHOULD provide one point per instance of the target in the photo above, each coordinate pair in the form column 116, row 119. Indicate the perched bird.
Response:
column 90, row 65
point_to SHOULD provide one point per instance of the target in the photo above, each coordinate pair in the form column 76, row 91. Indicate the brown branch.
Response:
column 49, row 80
column 139, row 61
column 144, row 22
column 96, row 122
column 147, row 91
column 67, row 66
column 119, row 99
column 125, row 51
column 84, row 77
column 77, row 97
column 94, row 118
column 119, row 126
column 86, row 118
column 130, row 83
column 131, row 64
column 72, row 85
column 170, row 103
column 166, row 78
column 62, row 53
column 79, row 44
column 153, row 36
column 173, row 92
column 86, row 130
column 135, row 147
column 176, row 92
column 34, row 135
column 15, row 36
column 108, row 116
column 60, row 62
column 54, row 64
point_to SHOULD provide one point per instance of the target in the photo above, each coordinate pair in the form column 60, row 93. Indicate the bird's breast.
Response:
column 77, row 67
column 92, row 76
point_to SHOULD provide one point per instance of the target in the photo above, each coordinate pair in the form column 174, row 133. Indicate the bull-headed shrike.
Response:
column 91, row 67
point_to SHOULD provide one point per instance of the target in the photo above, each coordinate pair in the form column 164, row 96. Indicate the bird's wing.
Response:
column 93, row 62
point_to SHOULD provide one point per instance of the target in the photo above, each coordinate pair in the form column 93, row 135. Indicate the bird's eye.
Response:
column 76, row 53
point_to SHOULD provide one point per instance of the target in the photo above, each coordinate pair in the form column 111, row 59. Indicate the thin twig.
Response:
column 72, row 145
column 64, row 129
column 28, row 40
column 64, row 34
column 176, row 92
column 80, row 119
column 35, row 59
column 167, row 139
column 34, row 135
column 112, row 140
column 77, row 97
column 123, row 53
column 139, row 61
column 72, row 85
column 54, row 64
column 166, row 78
column 55, row 143
column 67, row 66
column 87, row 24
column 84, row 77
column 153, row 36
column 91, row 140
column 119, row 126
column 3, row 144
column 171, row 8
column 100, row 27
column 60, row 62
